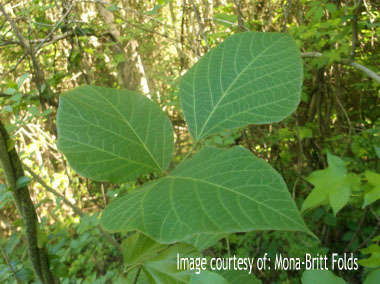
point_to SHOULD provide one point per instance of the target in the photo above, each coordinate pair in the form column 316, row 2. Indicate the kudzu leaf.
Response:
column 252, row 77
column 332, row 185
column 321, row 277
column 217, row 191
column 113, row 135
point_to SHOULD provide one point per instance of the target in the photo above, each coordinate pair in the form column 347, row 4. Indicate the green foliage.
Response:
column 374, row 252
column 159, row 41
column 333, row 186
column 249, row 78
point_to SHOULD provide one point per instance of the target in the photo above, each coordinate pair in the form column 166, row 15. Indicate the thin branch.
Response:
column 201, row 28
column 239, row 15
column 27, row 47
column 354, row 64
column 56, row 26
column 53, row 191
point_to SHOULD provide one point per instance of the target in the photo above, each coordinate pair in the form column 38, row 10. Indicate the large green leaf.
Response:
column 113, row 135
column 251, row 77
column 216, row 191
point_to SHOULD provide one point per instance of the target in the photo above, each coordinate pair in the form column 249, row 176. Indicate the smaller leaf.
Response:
column 6, row 109
column 33, row 110
column 305, row 132
column 22, row 79
column 22, row 182
column 374, row 259
column 331, row 186
column 46, row 112
column 112, row 7
column 60, row 270
column 321, row 277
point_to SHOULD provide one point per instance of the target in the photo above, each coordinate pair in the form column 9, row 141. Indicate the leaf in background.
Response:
column 138, row 248
column 162, row 269
column 331, row 186
column 251, row 77
column 207, row 277
column 217, row 191
column 305, row 132
column 373, row 194
column 21, row 80
column 374, row 259
column 321, row 277
column 113, row 135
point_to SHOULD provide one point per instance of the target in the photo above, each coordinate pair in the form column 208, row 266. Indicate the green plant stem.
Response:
column 12, row 168
column 137, row 275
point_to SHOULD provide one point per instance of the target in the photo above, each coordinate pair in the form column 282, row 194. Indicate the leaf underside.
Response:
column 217, row 191
column 251, row 78
column 113, row 135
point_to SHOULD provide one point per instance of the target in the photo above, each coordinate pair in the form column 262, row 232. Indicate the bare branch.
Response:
column 358, row 66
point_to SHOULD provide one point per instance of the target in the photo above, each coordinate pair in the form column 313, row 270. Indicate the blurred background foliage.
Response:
column 147, row 46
